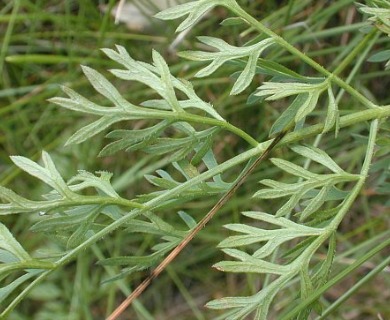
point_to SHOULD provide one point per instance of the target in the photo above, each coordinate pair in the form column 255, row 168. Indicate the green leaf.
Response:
column 278, row 90
column 285, row 188
column 322, row 275
column 80, row 104
column 193, row 100
column 238, row 254
column 188, row 220
column 159, row 79
column 308, row 106
column 306, row 283
column 87, row 179
column 176, row 11
column 246, row 76
column 380, row 56
column 135, row 70
column 79, row 236
column 8, row 289
column 260, row 235
column 380, row 12
column 333, row 113
column 225, row 53
column 278, row 71
column 162, row 182
column 282, row 222
column 144, row 261
column 246, row 305
column 195, row 10
column 293, row 169
column 269, row 248
column 94, row 128
column 84, row 230
column 333, row 194
column 306, row 291
column 16, row 203
column 10, row 244
column 104, row 87
column 229, row 303
column 202, row 150
column 253, row 266
column 186, row 169
column 309, row 92
column 315, row 203
column 8, row 268
column 289, row 205
column 318, row 156
column 70, row 219
column 287, row 117
column 166, row 82
column 233, row 21
column 168, row 145
column 131, row 140
column 48, row 174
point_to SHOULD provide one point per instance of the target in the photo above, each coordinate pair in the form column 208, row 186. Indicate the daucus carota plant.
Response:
column 316, row 192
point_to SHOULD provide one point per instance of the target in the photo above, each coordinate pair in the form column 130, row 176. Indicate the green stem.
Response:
column 193, row 118
column 86, row 200
column 363, row 173
column 345, row 121
column 290, row 138
column 278, row 39
column 218, row 123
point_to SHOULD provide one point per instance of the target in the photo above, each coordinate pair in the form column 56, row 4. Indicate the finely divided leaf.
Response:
column 85, row 179
column 278, row 90
column 166, row 82
column 195, row 10
column 226, row 52
column 306, row 101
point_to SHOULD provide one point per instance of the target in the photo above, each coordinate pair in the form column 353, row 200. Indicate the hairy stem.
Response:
column 363, row 176
column 192, row 118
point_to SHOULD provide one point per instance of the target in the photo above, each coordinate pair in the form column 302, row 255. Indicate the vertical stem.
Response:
column 364, row 174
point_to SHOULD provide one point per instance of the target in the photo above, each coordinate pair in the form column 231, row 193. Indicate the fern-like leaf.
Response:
column 227, row 52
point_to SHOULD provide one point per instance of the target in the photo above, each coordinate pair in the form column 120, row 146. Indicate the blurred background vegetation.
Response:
column 43, row 42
